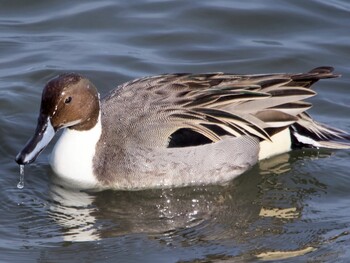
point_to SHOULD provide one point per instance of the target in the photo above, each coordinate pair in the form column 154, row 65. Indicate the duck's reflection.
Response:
column 72, row 210
column 254, row 206
column 168, row 212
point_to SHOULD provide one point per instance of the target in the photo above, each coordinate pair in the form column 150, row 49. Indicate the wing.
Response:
column 188, row 109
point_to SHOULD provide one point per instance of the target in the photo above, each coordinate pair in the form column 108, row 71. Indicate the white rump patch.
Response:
column 280, row 143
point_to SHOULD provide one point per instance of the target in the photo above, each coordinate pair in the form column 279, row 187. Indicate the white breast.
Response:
column 72, row 157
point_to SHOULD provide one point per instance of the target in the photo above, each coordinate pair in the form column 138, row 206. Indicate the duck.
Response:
column 175, row 130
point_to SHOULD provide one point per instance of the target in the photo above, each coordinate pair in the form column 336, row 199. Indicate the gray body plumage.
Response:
column 229, row 114
column 175, row 130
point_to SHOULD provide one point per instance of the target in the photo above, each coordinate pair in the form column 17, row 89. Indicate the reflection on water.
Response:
column 295, row 206
column 72, row 210
column 264, row 214
column 258, row 213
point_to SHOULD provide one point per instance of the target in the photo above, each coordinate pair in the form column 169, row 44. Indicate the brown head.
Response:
column 68, row 101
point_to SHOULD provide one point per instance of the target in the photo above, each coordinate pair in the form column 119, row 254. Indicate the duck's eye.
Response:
column 68, row 100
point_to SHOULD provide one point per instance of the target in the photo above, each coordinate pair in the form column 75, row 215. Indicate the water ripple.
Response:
column 293, row 206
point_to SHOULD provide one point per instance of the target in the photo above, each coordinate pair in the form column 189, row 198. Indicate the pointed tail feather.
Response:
column 309, row 78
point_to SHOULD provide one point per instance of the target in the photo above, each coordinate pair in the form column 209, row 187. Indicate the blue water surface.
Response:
column 295, row 206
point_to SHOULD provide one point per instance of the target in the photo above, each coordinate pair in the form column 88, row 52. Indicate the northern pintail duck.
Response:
column 175, row 130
